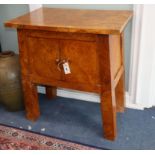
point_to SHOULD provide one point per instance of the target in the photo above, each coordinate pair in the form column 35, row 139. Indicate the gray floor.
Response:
column 80, row 121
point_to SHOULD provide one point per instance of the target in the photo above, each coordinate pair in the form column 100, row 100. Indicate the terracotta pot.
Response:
column 10, row 86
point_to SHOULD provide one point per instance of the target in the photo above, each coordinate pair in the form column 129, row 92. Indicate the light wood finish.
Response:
column 116, row 57
column 120, row 95
column 120, row 84
column 81, row 61
column 108, row 102
column 31, row 99
column 71, row 20
column 40, row 64
column 92, row 44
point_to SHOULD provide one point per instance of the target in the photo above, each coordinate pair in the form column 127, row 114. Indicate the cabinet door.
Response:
column 42, row 57
column 83, row 61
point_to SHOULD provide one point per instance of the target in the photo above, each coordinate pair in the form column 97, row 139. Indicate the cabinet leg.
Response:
column 120, row 95
column 108, row 110
column 50, row 92
column 31, row 100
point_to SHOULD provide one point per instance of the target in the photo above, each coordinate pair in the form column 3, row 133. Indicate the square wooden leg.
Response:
column 108, row 110
column 120, row 94
column 51, row 92
column 31, row 100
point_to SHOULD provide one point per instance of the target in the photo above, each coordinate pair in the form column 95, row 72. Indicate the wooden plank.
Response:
column 64, row 84
column 72, row 20
column 116, row 56
column 118, row 76
column 108, row 103
column 120, row 87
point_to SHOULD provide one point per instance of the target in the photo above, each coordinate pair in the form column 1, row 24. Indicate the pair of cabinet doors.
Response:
column 47, row 49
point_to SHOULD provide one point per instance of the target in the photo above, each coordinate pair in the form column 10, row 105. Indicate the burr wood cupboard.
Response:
column 88, row 42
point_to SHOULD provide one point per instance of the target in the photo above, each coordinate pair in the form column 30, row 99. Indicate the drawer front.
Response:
column 83, row 61
column 42, row 53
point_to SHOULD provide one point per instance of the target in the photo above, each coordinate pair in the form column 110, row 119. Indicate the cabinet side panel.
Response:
column 116, row 57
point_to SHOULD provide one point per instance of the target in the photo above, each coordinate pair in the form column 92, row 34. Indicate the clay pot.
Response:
column 10, row 84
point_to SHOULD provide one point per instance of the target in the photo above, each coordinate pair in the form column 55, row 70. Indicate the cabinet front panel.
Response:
column 42, row 57
column 83, row 61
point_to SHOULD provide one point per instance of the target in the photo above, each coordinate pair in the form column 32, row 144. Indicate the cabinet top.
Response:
column 73, row 20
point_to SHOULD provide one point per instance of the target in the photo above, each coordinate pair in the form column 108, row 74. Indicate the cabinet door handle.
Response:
column 59, row 64
column 57, row 60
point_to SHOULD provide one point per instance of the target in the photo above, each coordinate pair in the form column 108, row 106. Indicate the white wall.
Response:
column 145, row 94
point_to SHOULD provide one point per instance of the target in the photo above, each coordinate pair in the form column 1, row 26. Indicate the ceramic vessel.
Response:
column 10, row 84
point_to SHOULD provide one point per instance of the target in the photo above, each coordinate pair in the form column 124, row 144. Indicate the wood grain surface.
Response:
column 72, row 20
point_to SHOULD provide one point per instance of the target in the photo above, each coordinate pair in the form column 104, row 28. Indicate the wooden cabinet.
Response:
column 91, row 42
